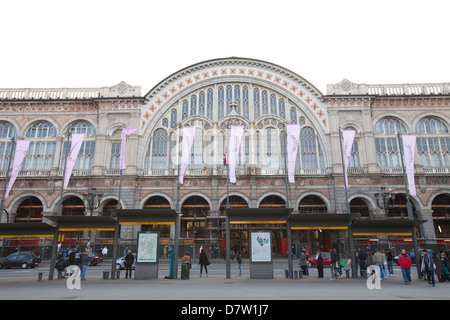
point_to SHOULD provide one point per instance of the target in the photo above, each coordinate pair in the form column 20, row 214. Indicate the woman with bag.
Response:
column 203, row 261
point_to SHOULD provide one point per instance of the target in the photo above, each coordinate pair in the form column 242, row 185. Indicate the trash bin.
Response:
column 40, row 276
column 105, row 275
column 185, row 269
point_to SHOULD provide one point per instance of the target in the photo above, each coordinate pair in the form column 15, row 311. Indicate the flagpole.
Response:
column 227, row 218
column 177, row 211
column 347, row 205
column 288, row 224
column 409, row 207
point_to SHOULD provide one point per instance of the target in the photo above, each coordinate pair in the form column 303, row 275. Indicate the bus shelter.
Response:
column 78, row 223
column 324, row 221
column 261, row 262
column 145, row 268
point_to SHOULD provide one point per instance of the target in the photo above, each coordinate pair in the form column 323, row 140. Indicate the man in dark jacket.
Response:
column 362, row 257
column 334, row 260
column 129, row 259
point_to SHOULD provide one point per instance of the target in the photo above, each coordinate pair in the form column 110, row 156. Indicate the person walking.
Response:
column 239, row 261
column 105, row 252
column 319, row 263
column 378, row 260
column 129, row 260
column 334, row 264
column 203, row 261
column 390, row 262
column 85, row 258
column 427, row 267
column 438, row 267
column 445, row 266
column 362, row 259
column 303, row 262
column 405, row 264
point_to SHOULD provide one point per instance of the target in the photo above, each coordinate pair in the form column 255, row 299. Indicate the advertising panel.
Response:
column 147, row 247
column 261, row 247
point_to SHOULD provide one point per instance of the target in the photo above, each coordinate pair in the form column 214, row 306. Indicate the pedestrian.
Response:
column 390, row 262
column 105, row 252
column 165, row 252
column 239, row 261
column 319, row 263
column 405, row 264
column 303, row 262
column 438, row 267
column 129, row 260
column 427, row 267
column 334, row 264
column 362, row 258
column 203, row 262
column 84, row 264
column 61, row 265
column 445, row 267
column 378, row 260
column 187, row 258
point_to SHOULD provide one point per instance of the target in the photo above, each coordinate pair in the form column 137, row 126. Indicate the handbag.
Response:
column 445, row 270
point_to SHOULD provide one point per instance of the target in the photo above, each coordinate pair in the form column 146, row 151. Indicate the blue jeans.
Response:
column 381, row 270
column 390, row 267
column 83, row 271
column 406, row 273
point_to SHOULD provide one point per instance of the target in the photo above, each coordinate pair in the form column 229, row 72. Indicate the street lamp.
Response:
column 92, row 205
column 384, row 198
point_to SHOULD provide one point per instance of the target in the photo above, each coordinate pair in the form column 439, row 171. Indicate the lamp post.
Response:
column 385, row 205
column 92, row 205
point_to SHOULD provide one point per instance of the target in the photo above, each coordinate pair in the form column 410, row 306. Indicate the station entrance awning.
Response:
column 390, row 227
column 27, row 230
column 258, row 215
column 144, row 216
column 83, row 223
column 322, row 221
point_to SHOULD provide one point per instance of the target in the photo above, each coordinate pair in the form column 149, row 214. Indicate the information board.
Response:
column 261, row 247
column 147, row 247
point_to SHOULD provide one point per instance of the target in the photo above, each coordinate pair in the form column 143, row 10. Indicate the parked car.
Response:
column 120, row 263
column 20, row 259
column 412, row 256
column 326, row 259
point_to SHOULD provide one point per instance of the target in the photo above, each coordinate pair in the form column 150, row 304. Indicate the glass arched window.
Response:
column 271, row 149
column 7, row 131
column 41, row 152
column 310, row 150
column 221, row 102
column 157, row 149
column 209, row 108
column 386, row 141
column 433, row 142
column 256, row 101
column 245, row 102
column 85, row 159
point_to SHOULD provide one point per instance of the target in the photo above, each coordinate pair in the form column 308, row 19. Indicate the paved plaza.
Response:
column 24, row 285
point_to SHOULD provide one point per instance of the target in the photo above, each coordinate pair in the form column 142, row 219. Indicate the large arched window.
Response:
column 310, row 150
column 7, row 131
column 157, row 150
column 433, row 142
column 41, row 152
column 386, row 142
column 85, row 159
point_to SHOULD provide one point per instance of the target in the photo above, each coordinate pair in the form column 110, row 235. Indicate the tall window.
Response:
column 310, row 150
column 7, row 131
column 115, row 156
column 158, row 150
column 433, row 142
column 85, row 159
column 41, row 152
column 386, row 142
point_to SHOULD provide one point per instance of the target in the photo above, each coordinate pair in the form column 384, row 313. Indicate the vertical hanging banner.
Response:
column 19, row 158
column 233, row 147
column 188, row 140
column 348, row 137
column 293, row 135
column 409, row 147
column 77, row 141
column 125, row 132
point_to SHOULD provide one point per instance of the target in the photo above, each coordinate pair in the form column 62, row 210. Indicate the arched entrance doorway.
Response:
column 359, row 205
column 73, row 206
column 279, row 233
column 441, row 216
column 193, row 224
column 29, row 210
column 158, row 202
column 316, row 238
column 238, row 232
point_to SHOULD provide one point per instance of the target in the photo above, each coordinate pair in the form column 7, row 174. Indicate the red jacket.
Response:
column 404, row 261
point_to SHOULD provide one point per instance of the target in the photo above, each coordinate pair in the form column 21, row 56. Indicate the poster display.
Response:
column 261, row 247
column 147, row 247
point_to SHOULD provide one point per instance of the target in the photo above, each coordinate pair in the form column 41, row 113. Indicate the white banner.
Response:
column 188, row 140
column 233, row 147
column 77, row 141
column 409, row 148
column 293, row 135
column 348, row 137
column 125, row 132
column 19, row 157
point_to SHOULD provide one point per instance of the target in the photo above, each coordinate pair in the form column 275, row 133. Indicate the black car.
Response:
column 20, row 259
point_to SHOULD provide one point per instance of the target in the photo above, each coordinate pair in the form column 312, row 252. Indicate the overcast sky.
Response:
column 96, row 43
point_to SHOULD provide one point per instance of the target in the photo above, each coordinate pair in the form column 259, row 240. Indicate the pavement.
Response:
column 19, row 284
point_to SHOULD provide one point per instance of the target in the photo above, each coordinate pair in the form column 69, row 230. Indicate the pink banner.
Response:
column 188, row 140
column 293, row 135
column 125, row 132
column 348, row 136
column 71, row 158
column 234, row 145
column 19, row 157
column 409, row 148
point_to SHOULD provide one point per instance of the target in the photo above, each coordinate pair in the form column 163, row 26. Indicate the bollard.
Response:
column 286, row 274
column 40, row 276
column 117, row 274
column 347, row 274
column 300, row 274
column 295, row 274
column 105, row 275
column 59, row 275
column 364, row 274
